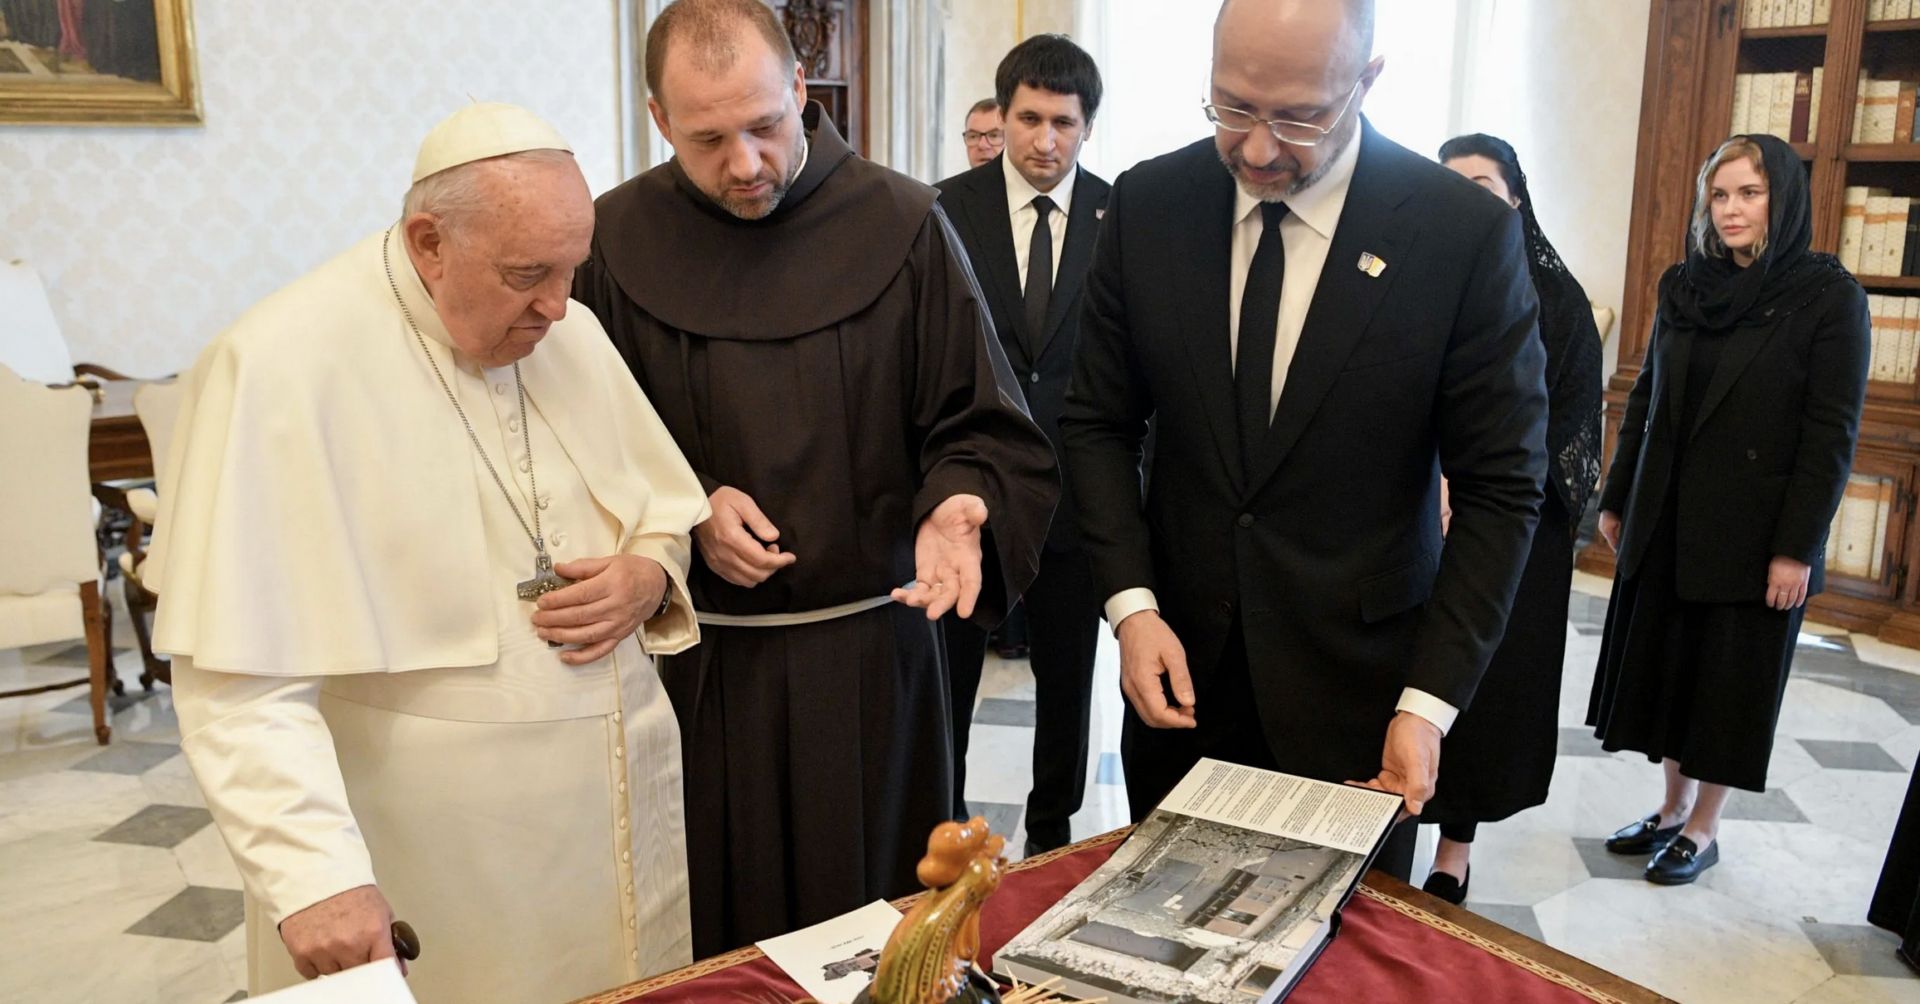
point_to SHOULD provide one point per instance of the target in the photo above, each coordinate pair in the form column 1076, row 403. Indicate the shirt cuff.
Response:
column 1126, row 603
column 1429, row 707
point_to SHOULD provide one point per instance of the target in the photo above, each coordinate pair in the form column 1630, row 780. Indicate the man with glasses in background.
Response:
column 1321, row 324
column 984, row 136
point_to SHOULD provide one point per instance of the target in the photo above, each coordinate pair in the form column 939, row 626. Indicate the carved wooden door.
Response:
column 830, row 37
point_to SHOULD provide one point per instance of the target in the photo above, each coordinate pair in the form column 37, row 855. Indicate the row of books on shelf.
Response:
column 1786, row 13
column 1885, row 111
column 1781, row 104
column 1857, row 539
column 1880, row 233
column 1890, row 10
column 1896, row 338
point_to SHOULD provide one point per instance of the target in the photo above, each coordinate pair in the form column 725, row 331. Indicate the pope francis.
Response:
column 423, row 535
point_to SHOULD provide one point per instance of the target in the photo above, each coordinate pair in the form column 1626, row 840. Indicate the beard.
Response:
column 1279, row 191
column 762, row 207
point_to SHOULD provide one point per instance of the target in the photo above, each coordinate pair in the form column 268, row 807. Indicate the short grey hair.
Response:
column 459, row 193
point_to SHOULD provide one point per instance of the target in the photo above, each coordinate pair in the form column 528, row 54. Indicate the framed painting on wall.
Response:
column 97, row 62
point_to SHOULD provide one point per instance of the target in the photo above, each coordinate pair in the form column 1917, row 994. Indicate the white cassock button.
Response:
column 546, row 499
column 629, row 888
column 526, row 465
column 513, row 424
column 623, row 822
column 623, row 787
column 626, row 856
column 559, row 539
column 633, row 954
column 619, row 751
column 631, row 923
column 616, row 716
column 500, row 388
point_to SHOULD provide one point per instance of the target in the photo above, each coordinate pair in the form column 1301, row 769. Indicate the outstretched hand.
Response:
column 946, row 559
column 1410, row 762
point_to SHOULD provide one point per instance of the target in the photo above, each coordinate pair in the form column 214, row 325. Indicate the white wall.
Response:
column 1561, row 82
column 152, row 240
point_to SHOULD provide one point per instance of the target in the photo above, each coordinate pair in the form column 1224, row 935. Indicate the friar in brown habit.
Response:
column 809, row 329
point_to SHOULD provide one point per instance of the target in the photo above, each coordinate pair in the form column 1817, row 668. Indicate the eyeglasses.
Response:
column 1284, row 130
column 973, row 136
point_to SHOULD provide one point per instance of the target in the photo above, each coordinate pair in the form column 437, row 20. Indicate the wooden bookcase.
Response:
column 1695, row 48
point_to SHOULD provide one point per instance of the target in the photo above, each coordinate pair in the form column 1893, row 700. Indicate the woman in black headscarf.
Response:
column 1732, row 458
column 1498, row 757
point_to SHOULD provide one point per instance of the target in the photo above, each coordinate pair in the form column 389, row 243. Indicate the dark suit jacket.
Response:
column 976, row 203
column 1329, row 555
column 1764, row 466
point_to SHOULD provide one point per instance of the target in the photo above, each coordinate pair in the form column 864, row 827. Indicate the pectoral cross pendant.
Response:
column 544, row 580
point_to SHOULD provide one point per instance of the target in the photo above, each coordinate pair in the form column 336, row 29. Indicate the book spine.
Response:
column 1742, row 104
column 1819, row 90
column 1780, row 122
column 1910, row 262
column 1905, row 339
column 1856, row 527
column 1873, row 241
column 1876, row 10
column 1802, row 112
column 1883, row 99
column 1877, row 331
column 1822, row 11
column 1776, row 13
column 1853, row 226
column 1803, row 12
column 1903, row 114
column 1893, row 258
column 1910, row 342
column 1860, row 108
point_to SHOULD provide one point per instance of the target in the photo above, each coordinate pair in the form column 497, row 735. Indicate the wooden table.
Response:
column 1399, row 944
column 118, row 446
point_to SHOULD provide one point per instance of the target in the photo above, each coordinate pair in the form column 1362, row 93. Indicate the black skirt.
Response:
column 1699, row 683
column 1498, row 757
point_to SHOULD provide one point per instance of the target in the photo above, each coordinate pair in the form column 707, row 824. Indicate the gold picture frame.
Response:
column 98, row 62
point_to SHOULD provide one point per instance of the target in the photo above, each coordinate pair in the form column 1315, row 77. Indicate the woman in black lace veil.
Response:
column 1498, row 757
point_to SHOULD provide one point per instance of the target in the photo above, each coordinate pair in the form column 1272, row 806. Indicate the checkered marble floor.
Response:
column 115, row 887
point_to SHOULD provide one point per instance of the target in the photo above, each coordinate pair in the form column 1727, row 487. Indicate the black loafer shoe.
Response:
column 1444, row 886
column 1680, row 862
column 1641, row 837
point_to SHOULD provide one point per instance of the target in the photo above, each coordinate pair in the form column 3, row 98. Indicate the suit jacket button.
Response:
column 1753, row 454
column 1226, row 607
column 1034, row 378
column 1246, row 520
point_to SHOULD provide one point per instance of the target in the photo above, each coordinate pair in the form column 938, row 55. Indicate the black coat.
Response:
column 1765, row 464
column 1329, row 556
column 976, row 204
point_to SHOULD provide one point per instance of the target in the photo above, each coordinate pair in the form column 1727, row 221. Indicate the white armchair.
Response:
column 158, row 405
column 30, row 341
column 49, row 560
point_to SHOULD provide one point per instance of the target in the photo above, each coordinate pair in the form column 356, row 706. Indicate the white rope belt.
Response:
column 793, row 619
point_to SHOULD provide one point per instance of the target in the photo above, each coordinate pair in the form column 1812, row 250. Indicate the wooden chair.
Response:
column 158, row 405
column 49, row 560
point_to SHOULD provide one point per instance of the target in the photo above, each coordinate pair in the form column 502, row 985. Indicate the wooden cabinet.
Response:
column 1696, row 49
column 830, row 37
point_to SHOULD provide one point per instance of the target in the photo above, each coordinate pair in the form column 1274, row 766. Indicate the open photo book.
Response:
column 1225, row 894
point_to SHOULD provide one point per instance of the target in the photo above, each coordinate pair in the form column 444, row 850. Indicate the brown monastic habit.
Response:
column 834, row 362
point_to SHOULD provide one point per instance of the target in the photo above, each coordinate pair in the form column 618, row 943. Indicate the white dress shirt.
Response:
column 1020, row 196
column 1307, row 234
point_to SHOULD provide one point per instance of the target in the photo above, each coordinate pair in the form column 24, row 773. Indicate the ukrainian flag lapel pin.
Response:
column 1372, row 265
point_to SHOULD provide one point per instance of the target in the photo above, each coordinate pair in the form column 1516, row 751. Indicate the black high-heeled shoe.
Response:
column 1444, row 886
column 1642, row 837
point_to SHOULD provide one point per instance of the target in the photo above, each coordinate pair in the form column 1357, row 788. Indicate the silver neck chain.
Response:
column 533, row 532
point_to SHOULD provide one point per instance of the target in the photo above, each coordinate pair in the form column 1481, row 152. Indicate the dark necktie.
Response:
column 1040, row 271
column 1259, row 325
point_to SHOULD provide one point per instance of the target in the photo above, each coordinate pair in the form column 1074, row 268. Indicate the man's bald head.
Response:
column 712, row 32
column 1303, row 20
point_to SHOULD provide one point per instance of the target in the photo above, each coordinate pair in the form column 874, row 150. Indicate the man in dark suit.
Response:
column 1028, row 219
column 1316, row 344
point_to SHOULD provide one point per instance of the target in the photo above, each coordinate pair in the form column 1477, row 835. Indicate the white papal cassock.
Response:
column 361, row 694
